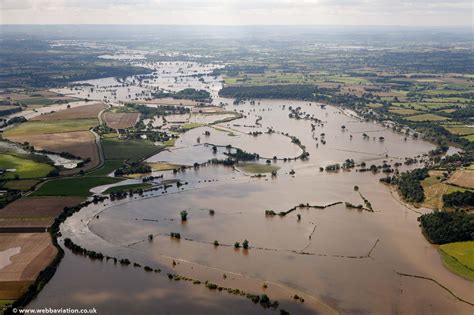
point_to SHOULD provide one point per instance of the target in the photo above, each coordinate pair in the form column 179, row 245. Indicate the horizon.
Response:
column 457, row 13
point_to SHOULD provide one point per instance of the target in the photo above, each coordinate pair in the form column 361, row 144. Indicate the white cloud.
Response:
column 358, row 12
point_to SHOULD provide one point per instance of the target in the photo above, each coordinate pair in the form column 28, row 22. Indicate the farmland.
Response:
column 23, row 168
column 301, row 169
column 49, row 127
column 459, row 257
column 35, row 253
column 128, row 149
column 79, row 186
column 120, row 120
column 80, row 112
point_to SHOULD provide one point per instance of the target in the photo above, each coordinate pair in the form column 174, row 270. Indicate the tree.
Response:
column 184, row 215
column 245, row 244
column 237, row 245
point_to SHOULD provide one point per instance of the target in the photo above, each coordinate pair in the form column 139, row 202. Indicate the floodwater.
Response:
column 339, row 259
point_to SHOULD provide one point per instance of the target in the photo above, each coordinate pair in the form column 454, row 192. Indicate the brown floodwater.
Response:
column 339, row 259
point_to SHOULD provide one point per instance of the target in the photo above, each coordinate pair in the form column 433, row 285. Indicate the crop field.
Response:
column 80, row 112
column 459, row 258
column 427, row 117
column 402, row 111
column 128, row 149
column 24, row 168
column 36, row 252
column 463, row 178
column 46, row 127
column 74, row 186
column 38, row 207
column 120, row 120
column 459, row 129
column 23, row 185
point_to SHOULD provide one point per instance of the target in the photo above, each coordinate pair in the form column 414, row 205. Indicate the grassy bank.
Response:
column 459, row 258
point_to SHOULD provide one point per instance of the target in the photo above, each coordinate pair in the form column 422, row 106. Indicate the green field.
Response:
column 108, row 167
column 459, row 258
column 470, row 138
column 427, row 117
column 127, row 188
column 73, row 186
column 24, row 168
column 271, row 77
column 189, row 126
column 256, row 168
column 128, row 149
column 37, row 101
column 459, row 130
column 163, row 166
column 402, row 111
column 57, row 126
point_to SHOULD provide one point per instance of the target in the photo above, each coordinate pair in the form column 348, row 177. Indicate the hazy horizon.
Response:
column 424, row 13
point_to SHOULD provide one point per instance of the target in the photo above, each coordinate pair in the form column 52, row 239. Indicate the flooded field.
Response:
column 336, row 258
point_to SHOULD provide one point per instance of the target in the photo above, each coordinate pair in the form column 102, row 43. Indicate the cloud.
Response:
column 406, row 12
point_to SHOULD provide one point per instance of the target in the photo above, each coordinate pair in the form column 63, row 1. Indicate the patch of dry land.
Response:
column 120, row 120
column 34, row 211
column 207, row 109
column 22, row 257
column 79, row 143
column 463, row 178
column 80, row 112
column 171, row 101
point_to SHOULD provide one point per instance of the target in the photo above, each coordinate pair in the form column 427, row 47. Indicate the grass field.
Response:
column 189, row 126
column 108, row 167
column 163, row 166
column 427, row 117
column 74, row 186
column 256, row 168
column 459, row 130
column 24, row 168
column 37, row 101
column 402, row 111
column 459, row 258
column 127, row 188
column 470, row 138
column 128, row 149
column 435, row 189
column 44, row 127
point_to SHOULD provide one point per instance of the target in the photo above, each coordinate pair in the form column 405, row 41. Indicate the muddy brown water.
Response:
column 339, row 259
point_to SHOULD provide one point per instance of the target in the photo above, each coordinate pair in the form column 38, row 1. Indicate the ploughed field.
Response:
column 335, row 258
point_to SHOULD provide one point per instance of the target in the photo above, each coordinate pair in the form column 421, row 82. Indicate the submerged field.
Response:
column 332, row 266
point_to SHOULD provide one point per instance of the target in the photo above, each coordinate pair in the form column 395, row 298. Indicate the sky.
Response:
column 240, row 12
